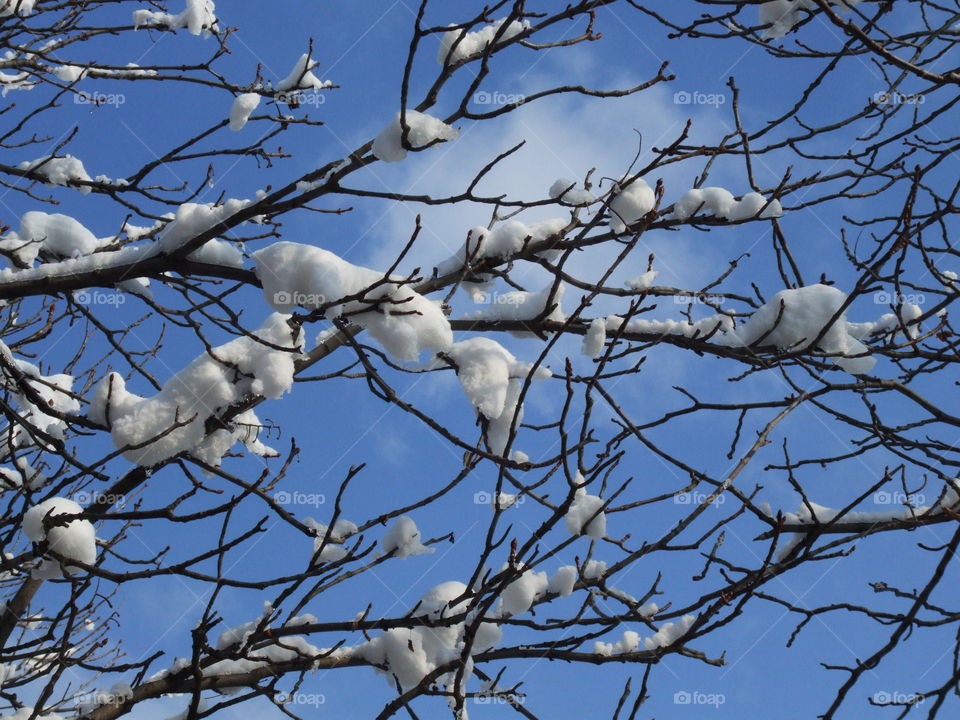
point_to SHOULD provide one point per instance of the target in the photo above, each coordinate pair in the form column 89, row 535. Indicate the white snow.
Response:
column 669, row 633
column 59, row 170
column 144, row 427
column 242, row 107
column 698, row 328
column 301, row 77
column 521, row 305
column 473, row 44
column 631, row 204
column 69, row 73
column 218, row 252
column 403, row 539
column 566, row 191
column 518, row 597
column 191, row 219
column 585, row 516
column 721, row 203
column 53, row 392
column 423, row 130
column 563, row 581
column 782, row 15
column 491, row 379
column 629, row 643
column 332, row 550
column 74, row 541
column 642, row 282
column 197, row 17
column 595, row 338
column 805, row 313
column 21, row 8
column 403, row 321
column 504, row 240
column 59, row 235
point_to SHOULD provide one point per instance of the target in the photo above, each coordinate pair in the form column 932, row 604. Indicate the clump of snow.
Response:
column 563, row 581
column 473, row 44
column 242, row 107
column 504, row 500
column 21, row 8
column 423, row 130
column 594, row 569
column 331, row 546
column 504, row 240
column 783, row 15
column 720, row 203
column 150, row 430
column 714, row 326
column 62, row 171
column 629, row 643
column 642, row 282
column 904, row 323
column 586, row 516
column 403, row 321
column 669, row 633
column 53, row 392
column 491, row 379
column 74, row 541
column 518, row 597
column 631, row 204
column 191, row 219
column 58, row 235
column 69, row 73
column 218, row 252
column 301, row 77
column 197, row 17
column 803, row 313
column 521, row 305
column 409, row 654
column 403, row 539
column 566, row 191
column 595, row 338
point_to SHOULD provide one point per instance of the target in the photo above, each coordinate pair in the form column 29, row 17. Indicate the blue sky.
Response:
column 360, row 47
